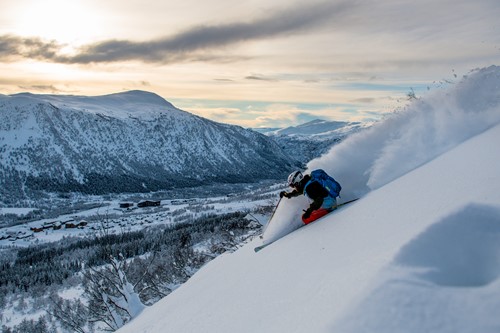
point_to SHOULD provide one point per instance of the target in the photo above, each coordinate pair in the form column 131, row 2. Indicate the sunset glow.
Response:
column 252, row 64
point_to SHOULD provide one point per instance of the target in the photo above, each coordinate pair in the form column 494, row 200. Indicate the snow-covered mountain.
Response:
column 312, row 139
column 419, row 252
column 318, row 128
column 127, row 142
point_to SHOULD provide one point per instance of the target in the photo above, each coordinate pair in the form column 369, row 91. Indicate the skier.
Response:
column 323, row 202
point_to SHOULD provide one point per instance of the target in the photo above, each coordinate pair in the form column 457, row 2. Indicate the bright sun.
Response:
column 62, row 20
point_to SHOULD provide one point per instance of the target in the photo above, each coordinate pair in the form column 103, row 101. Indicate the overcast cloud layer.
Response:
column 178, row 47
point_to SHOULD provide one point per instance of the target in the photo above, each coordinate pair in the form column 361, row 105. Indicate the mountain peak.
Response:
column 136, row 103
column 314, row 121
column 138, row 96
column 316, row 126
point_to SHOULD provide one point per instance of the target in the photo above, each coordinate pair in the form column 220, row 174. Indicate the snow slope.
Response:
column 419, row 252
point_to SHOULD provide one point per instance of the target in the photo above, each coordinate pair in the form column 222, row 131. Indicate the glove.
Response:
column 284, row 194
column 306, row 214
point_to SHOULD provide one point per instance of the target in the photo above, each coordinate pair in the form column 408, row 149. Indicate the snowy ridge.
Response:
column 135, row 103
column 318, row 128
column 313, row 139
column 127, row 142
column 419, row 252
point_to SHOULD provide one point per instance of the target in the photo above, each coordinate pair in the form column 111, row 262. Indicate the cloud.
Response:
column 223, row 80
column 42, row 88
column 364, row 100
column 258, row 77
column 183, row 46
column 12, row 47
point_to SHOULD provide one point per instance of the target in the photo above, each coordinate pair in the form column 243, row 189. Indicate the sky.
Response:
column 254, row 63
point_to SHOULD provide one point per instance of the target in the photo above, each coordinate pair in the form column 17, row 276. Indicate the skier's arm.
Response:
column 292, row 194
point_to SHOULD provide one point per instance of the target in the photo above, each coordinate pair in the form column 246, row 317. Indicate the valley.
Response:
column 127, row 213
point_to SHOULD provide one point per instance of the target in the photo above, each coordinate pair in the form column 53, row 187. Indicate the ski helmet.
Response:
column 294, row 178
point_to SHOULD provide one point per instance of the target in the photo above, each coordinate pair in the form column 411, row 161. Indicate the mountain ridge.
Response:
column 312, row 139
column 126, row 142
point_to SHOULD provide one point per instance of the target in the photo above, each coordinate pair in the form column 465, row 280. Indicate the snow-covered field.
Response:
column 110, row 216
column 419, row 252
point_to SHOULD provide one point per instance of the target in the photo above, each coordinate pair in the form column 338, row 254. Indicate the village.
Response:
column 120, row 216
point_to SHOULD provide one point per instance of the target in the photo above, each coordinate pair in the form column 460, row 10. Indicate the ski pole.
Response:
column 270, row 219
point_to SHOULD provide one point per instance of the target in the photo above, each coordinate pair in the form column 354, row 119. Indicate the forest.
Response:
column 140, row 266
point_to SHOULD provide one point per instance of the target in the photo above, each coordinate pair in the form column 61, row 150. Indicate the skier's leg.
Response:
column 329, row 203
column 315, row 215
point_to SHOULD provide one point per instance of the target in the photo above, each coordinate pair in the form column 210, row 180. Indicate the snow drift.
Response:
column 419, row 253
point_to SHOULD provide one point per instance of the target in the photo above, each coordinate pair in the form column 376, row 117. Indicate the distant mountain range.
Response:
column 316, row 128
column 134, row 141
column 312, row 139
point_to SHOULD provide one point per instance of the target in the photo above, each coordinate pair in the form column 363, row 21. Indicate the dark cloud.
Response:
column 13, row 47
column 183, row 46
